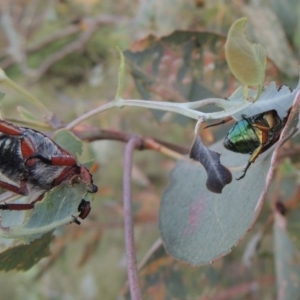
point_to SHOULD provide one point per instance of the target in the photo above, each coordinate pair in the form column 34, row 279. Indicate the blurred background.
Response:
column 64, row 52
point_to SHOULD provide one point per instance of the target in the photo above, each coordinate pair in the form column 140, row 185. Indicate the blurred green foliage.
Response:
column 88, row 261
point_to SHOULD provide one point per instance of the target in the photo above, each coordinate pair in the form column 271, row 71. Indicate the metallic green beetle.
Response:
column 254, row 135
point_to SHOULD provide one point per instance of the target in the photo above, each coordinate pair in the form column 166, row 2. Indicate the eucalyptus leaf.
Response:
column 31, row 118
column 23, row 257
column 198, row 226
column 246, row 61
column 281, row 99
column 67, row 140
column 58, row 207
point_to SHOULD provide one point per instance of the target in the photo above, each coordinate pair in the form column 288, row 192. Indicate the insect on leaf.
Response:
column 198, row 226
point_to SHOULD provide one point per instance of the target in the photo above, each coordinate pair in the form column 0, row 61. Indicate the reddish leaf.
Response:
column 183, row 66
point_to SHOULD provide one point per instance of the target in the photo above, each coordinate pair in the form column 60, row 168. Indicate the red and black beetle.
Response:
column 32, row 164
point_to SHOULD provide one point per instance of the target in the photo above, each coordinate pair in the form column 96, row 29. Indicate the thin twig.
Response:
column 135, row 291
column 93, row 112
column 179, row 108
column 155, row 246
column 169, row 149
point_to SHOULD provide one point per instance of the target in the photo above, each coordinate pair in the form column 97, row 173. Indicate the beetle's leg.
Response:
column 63, row 175
column 63, row 161
column 26, row 206
column 76, row 221
column 17, row 206
column 27, row 148
column 22, row 190
column 37, row 156
column 261, row 127
column 252, row 159
column 54, row 161
column 219, row 123
column 20, row 206
column 9, row 129
column 245, row 171
column 256, row 153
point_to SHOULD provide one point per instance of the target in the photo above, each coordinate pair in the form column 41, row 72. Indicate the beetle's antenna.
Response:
column 219, row 123
column 245, row 171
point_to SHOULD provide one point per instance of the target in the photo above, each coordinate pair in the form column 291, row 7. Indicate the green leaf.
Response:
column 121, row 75
column 57, row 208
column 23, row 257
column 68, row 141
column 281, row 99
column 198, row 226
column 89, row 163
column 246, row 61
column 31, row 118
column 13, row 85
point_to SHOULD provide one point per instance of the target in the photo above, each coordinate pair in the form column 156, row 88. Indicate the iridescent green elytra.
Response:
column 242, row 138
column 254, row 135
